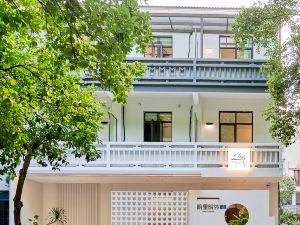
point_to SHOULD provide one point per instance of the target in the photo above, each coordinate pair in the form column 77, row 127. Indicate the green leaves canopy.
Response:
column 44, row 46
column 263, row 22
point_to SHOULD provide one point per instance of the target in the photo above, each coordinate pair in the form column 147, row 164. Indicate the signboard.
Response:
column 238, row 158
column 209, row 204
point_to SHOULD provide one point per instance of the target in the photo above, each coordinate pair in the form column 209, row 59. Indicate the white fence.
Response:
column 177, row 155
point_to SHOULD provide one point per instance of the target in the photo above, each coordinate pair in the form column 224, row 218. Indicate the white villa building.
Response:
column 191, row 146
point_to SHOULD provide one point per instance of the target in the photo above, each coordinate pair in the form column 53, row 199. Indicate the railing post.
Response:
column 194, row 70
column 108, row 159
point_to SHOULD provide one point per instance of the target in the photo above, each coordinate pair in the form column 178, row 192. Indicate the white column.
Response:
column 12, row 190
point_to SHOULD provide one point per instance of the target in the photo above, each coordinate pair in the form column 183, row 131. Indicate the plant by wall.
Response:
column 240, row 219
column 55, row 216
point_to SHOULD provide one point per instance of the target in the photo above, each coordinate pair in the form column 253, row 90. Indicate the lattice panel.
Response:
column 148, row 208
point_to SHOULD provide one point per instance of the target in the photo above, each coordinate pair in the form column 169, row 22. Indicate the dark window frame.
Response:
column 159, row 112
column 235, row 124
column 152, row 46
column 234, row 48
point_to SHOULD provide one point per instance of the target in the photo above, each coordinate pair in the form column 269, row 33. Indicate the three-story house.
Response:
column 191, row 146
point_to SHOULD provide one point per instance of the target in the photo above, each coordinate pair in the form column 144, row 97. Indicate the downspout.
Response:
column 190, row 130
column 111, row 114
column 123, row 122
column 190, row 44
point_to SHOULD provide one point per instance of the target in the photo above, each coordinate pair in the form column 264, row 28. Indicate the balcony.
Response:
column 198, row 75
column 202, row 159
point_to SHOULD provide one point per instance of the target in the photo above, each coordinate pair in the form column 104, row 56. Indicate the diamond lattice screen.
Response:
column 148, row 208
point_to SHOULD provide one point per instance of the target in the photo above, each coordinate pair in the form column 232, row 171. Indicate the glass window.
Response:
column 161, row 47
column 236, row 126
column 227, row 133
column 157, row 126
column 229, row 50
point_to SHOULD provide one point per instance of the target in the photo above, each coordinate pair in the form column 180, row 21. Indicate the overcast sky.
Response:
column 204, row 3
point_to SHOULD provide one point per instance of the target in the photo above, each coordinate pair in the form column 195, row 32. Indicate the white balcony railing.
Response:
column 174, row 156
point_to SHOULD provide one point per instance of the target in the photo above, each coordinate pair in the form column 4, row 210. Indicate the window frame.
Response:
column 152, row 46
column 235, row 125
column 159, row 112
column 235, row 47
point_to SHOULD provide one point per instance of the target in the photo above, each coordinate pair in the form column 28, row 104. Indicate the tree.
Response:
column 263, row 23
column 44, row 45
column 287, row 188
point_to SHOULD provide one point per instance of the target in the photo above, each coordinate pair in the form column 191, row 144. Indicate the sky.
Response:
column 204, row 3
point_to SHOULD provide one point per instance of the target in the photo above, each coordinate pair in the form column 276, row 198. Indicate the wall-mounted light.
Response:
column 208, row 52
column 104, row 122
column 209, row 124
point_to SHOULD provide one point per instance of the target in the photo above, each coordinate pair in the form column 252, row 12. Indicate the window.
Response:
column 229, row 50
column 161, row 47
column 157, row 126
column 236, row 126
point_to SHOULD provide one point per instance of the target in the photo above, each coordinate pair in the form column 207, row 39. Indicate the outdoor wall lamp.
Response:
column 209, row 124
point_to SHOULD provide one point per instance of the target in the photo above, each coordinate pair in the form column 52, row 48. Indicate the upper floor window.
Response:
column 157, row 126
column 161, row 47
column 236, row 126
column 229, row 50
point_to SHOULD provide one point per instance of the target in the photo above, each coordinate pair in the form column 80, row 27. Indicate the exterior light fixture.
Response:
column 208, row 52
column 209, row 124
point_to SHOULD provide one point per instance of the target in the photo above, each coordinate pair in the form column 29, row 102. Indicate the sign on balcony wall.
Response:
column 239, row 158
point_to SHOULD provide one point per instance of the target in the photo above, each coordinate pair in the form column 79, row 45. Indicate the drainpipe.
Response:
column 123, row 122
column 190, row 130
column 111, row 114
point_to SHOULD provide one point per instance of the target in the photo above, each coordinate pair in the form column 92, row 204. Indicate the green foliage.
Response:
column 34, row 221
column 240, row 219
column 287, row 188
column 263, row 23
column 44, row 46
column 57, row 216
column 288, row 218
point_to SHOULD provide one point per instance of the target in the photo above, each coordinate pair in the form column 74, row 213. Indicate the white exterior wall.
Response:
column 250, row 199
column 292, row 158
column 211, row 108
column 134, row 116
column 211, row 46
column 180, row 105
column 40, row 200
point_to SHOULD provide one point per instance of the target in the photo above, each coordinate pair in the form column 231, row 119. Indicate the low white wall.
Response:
column 256, row 202
column 261, row 197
